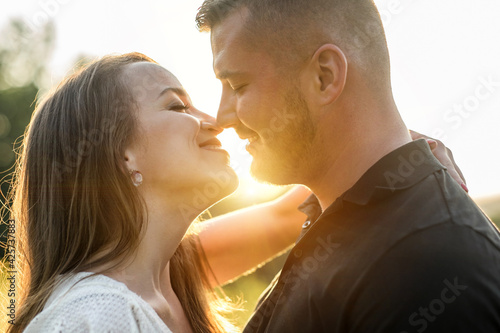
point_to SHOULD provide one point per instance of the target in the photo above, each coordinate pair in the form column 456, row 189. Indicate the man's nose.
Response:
column 226, row 116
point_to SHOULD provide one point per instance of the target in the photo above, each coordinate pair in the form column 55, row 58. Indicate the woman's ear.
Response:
column 327, row 72
column 130, row 159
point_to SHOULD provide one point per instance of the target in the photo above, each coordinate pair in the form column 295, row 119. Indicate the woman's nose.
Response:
column 207, row 122
column 211, row 125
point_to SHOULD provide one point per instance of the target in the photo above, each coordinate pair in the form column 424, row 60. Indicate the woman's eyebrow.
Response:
column 178, row 91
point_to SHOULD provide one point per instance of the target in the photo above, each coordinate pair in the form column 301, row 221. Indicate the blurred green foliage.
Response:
column 496, row 219
column 24, row 55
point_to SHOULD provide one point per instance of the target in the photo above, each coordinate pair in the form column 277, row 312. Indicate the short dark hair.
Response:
column 298, row 27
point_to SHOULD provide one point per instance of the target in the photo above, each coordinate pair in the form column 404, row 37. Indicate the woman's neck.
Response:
column 147, row 272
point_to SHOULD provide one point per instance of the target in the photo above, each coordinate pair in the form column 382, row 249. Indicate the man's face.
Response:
column 262, row 106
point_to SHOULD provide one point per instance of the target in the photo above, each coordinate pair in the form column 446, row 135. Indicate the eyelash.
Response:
column 180, row 107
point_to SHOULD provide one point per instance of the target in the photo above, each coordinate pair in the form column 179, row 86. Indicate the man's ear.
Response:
column 328, row 71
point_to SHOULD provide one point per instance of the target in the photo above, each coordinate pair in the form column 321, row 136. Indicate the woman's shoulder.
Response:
column 95, row 303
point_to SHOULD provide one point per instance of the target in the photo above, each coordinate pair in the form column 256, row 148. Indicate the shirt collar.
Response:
column 311, row 207
column 398, row 170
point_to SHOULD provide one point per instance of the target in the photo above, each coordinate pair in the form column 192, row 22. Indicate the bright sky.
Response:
column 445, row 63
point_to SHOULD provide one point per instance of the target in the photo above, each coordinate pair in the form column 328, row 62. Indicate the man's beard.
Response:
column 285, row 158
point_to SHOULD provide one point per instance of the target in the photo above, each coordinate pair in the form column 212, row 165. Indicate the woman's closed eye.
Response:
column 183, row 108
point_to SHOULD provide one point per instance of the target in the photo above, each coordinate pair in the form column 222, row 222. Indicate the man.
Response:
column 392, row 244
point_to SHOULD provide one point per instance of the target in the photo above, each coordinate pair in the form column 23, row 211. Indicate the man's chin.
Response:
column 268, row 173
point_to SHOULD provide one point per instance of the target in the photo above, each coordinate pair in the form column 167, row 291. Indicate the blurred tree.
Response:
column 24, row 55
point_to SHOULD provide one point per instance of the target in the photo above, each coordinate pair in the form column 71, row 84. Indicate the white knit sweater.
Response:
column 94, row 305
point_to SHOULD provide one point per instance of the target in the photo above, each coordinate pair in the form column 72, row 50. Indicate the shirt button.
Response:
column 306, row 225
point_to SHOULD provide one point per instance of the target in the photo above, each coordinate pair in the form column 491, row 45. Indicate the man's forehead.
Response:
column 225, row 64
column 230, row 26
column 229, row 41
column 239, row 62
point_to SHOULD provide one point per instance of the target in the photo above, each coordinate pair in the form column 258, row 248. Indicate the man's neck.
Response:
column 355, row 158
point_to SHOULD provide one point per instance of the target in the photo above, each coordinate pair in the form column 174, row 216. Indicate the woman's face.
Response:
column 176, row 149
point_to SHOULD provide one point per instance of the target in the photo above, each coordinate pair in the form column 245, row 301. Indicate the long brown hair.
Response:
column 74, row 204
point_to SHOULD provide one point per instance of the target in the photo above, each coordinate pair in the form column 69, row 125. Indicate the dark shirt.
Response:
column 404, row 250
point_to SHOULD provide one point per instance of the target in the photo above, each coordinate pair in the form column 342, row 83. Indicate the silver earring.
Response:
column 136, row 177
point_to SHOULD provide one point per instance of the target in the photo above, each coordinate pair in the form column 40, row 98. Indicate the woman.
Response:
column 111, row 164
column 107, row 186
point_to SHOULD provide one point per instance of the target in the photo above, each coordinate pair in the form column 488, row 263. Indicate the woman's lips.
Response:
column 213, row 144
column 214, row 148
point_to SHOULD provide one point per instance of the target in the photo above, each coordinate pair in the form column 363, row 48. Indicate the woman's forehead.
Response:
column 147, row 77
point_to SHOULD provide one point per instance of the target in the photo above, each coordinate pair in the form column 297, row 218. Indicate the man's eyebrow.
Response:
column 227, row 74
column 178, row 91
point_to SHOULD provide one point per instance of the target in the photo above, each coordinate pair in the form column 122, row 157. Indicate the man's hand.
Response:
column 445, row 156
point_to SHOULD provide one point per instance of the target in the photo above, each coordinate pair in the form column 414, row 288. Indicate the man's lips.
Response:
column 247, row 134
column 251, row 138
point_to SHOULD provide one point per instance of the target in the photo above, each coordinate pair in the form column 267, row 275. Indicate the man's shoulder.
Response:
column 438, row 199
column 436, row 219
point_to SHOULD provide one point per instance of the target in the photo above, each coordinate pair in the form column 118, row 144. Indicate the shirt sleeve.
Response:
column 439, row 280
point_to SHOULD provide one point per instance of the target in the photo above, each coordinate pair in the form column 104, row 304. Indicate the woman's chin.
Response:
column 222, row 184
column 209, row 191
column 226, row 192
